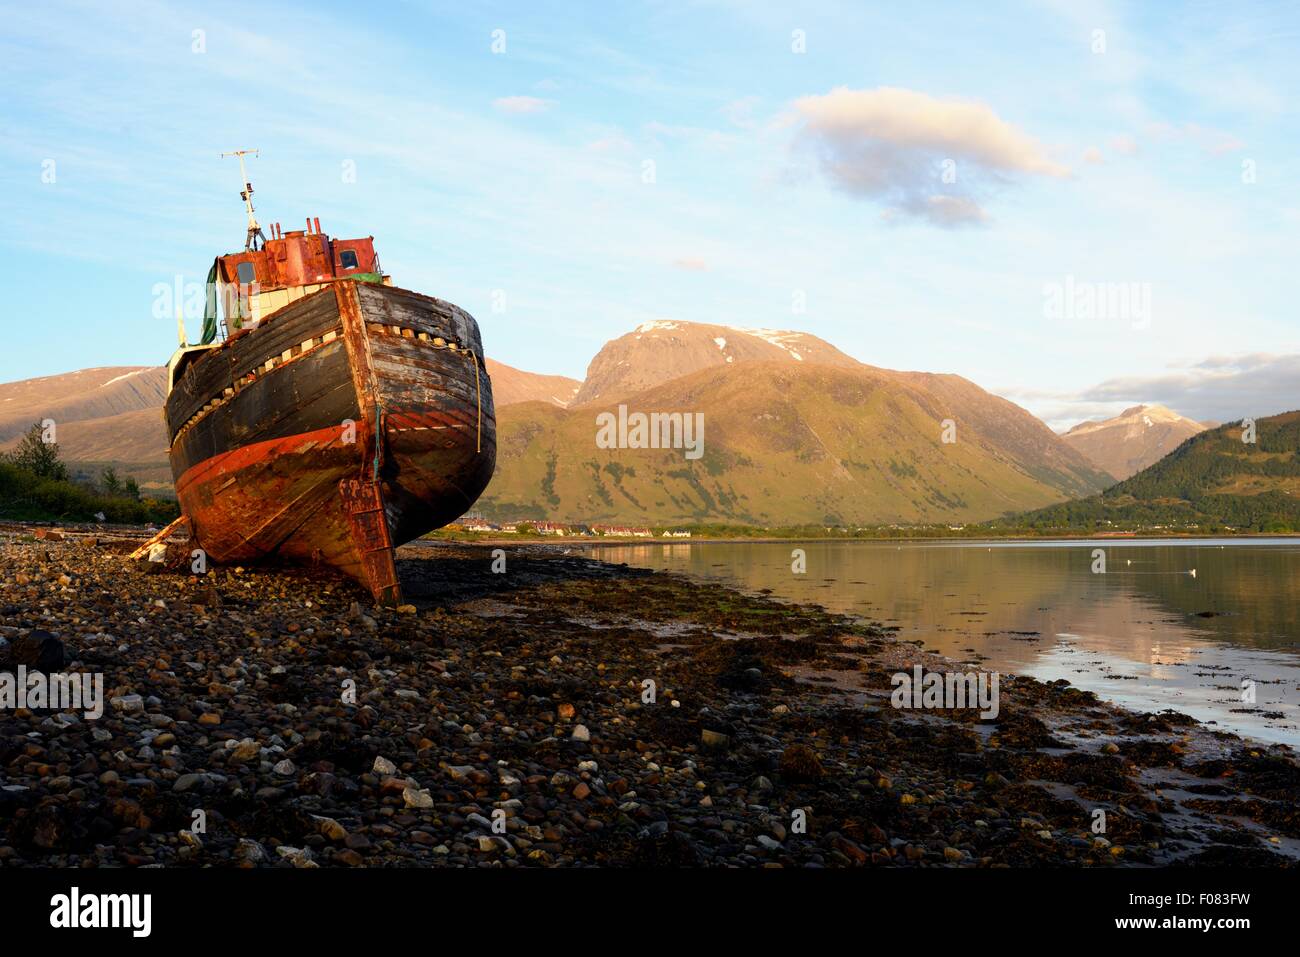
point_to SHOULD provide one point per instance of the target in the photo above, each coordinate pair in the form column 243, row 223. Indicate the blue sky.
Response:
column 798, row 154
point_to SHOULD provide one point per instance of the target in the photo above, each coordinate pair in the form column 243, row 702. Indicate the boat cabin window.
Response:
column 348, row 259
column 247, row 273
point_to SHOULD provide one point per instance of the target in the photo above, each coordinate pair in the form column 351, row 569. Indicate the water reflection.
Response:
column 1148, row 633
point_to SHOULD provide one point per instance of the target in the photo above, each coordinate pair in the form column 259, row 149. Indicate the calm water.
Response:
column 1147, row 633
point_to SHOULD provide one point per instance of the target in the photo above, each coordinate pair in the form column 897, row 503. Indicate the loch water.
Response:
column 1175, row 624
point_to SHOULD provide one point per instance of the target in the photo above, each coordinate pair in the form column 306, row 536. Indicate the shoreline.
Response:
column 20, row 526
column 610, row 540
column 468, row 709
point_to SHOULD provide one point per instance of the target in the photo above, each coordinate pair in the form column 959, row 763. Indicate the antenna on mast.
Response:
column 246, row 194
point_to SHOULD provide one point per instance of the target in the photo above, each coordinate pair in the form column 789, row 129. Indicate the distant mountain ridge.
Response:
column 1215, row 479
column 511, row 385
column 1129, row 442
column 796, row 432
column 657, row 352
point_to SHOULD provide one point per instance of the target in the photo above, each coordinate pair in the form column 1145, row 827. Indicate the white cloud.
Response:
column 942, row 211
column 925, row 157
column 1212, row 141
column 741, row 112
column 521, row 104
column 658, row 133
column 1124, row 144
column 1219, row 388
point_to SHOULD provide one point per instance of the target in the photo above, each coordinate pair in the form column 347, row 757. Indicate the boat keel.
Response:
column 363, row 503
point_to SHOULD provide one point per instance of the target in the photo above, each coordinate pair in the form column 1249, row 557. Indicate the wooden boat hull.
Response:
column 350, row 421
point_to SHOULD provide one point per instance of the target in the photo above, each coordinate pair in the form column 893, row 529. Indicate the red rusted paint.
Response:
column 363, row 503
column 301, row 257
column 357, row 341
column 275, row 497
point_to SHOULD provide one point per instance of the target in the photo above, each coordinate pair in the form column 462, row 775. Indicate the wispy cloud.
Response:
column 1218, row 388
column 521, row 104
column 1124, row 145
column 923, row 157
column 1212, row 141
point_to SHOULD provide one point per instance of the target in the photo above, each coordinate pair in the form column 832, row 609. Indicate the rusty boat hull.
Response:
column 348, row 422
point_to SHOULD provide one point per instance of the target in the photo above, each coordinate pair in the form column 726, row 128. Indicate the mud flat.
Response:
column 499, row 720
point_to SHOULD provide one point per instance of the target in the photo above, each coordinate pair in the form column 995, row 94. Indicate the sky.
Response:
column 1078, row 205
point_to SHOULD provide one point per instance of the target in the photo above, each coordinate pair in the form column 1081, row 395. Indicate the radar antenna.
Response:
column 246, row 194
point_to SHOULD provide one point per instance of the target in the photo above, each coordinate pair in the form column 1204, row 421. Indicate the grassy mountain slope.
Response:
column 787, row 443
column 1212, row 480
column 138, row 436
column 1003, row 425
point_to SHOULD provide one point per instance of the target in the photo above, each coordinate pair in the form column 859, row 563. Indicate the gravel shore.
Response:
column 260, row 717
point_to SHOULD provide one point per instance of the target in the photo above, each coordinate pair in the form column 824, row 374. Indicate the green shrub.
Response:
column 26, row 495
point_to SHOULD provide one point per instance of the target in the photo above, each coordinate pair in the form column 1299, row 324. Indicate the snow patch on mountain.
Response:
column 776, row 337
column 655, row 325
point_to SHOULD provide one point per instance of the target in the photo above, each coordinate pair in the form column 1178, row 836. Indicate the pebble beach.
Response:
column 561, row 712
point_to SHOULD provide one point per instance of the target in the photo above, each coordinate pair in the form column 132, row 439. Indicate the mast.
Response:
column 246, row 194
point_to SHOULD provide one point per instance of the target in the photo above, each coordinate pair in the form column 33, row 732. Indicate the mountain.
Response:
column 1132, row 440
column 79, row 396
column 106, row 416
column 657, row 352
column 510, row 386
column 138, row 437
column 1214, row 479
column 788, row 442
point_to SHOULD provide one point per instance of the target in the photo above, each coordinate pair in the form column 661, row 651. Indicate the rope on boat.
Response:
column 439, row 343
column 478, row 400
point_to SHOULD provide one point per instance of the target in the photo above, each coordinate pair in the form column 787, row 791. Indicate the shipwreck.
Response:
column 326, row 416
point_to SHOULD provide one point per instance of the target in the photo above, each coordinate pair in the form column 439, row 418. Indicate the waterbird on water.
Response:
column 1192, row 572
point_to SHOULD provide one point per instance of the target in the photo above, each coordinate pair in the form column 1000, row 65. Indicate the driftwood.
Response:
column 161, row 537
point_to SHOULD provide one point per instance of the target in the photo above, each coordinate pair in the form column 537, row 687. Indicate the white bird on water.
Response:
column 1192, row 572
